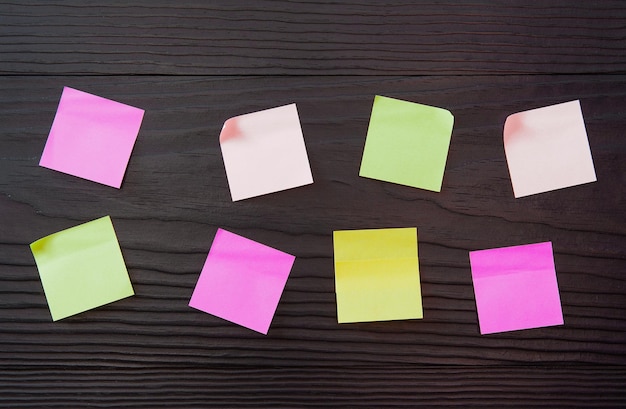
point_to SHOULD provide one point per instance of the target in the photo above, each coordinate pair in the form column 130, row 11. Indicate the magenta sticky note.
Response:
column 516, row 288
column 242, row 281
column 92, row 137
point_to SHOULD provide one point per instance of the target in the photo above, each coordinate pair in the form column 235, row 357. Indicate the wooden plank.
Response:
column 275, row 37
column 387, row 386
column 175, row 195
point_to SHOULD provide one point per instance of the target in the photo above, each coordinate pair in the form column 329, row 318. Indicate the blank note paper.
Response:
column 407, row 143
column 81, row 268
column 516, row 288
column 264, row 152
column 377, row 275
column 242, row 281
column 92, row 137
column 547, row 149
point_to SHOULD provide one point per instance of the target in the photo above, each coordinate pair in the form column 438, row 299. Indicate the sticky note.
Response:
column 377, row 275
column 407, row 143
column 547, row 149
column 92, row 137
column 242, row 281
column 264, row 152
column 81, row 268
column 516, row 288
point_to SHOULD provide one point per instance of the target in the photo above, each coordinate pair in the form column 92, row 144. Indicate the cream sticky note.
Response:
column 516, row 288
column 242, row 281
column 92, row 137
column 81, row 268
column 547, row 149
column 264, row 152
column 407, row 143
column 377, row 275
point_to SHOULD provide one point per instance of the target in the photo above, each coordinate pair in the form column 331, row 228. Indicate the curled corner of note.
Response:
column 230, row 130
column 512, row 125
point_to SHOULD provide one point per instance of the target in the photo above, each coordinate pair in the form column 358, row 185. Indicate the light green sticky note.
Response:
column 407, row 143
column 81, row 268
column 377, row 275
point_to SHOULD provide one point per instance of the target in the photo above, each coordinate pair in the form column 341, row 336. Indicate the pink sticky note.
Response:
column 547, row 149
column 242, row 281
column 264, row 152
column 92, row 137
column 516, row 288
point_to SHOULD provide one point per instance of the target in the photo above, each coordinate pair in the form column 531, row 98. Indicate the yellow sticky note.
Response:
column 377, row 275
column 81, row 268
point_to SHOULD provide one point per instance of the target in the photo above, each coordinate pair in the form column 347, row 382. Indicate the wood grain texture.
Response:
column 273, row 37
column 366, row 387
column 152, row 350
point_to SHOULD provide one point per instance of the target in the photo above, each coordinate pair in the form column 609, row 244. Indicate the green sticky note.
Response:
column 377, row 275
column 407, row 143
column 81, row 268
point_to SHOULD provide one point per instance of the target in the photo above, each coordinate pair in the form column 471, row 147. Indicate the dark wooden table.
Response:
column 193, row 65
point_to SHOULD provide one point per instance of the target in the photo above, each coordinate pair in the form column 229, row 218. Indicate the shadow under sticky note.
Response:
column 242, row 281
column 407, row 143
column 92, row 137
column 547, row 149
column 81, row 268
column 516, row 288
column 377, row 275
column 264, row 152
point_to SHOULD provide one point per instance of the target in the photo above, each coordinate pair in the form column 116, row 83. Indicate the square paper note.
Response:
column 516, row 288
column 377, row 275
column 81, row 268
column 264, row 152
column 407, row 143
column 547, row 149
column 242, row 281
column 92, row 137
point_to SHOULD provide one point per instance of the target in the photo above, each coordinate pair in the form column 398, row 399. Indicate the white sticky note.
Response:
column 547, row 149
column 264, row 152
